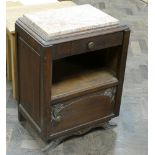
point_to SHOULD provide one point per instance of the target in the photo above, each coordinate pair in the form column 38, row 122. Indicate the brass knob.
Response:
column 58, row 118
column 91, row 45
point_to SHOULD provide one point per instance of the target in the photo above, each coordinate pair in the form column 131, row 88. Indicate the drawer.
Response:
column 82, row 110
column 87, row 45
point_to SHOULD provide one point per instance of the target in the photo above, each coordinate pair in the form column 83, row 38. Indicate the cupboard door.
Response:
column 82, row 110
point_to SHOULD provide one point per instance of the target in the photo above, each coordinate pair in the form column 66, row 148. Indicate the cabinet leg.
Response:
column 108, row 125
column 20, row 117
column 53, row 144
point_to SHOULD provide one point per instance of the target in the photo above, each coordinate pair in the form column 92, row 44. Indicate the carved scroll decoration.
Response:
column 56, row 109
column 110, row 92
column 54, row 143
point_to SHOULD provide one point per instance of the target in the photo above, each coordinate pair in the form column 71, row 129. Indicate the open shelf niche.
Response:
column 84, row 72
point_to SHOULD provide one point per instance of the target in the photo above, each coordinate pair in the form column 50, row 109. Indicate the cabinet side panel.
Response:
column 29, row 79
column 123, row 50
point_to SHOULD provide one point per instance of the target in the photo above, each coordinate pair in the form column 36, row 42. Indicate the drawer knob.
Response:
column 91, row 45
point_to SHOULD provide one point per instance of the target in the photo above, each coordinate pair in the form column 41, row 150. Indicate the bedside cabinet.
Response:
column 69, row 82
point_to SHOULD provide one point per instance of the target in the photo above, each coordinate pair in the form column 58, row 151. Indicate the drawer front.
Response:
column 83, row 110
column 87, row 45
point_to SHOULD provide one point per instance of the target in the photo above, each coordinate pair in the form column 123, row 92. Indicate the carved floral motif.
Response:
column 110, row 92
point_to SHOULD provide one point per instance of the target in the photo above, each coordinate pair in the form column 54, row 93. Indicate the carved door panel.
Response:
column 82, row 110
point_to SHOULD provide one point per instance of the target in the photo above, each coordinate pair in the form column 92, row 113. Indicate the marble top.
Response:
column 70, row 21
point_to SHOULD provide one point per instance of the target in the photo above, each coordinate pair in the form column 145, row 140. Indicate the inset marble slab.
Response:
column 69, row 21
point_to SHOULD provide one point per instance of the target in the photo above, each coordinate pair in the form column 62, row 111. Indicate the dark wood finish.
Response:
column 121, row 69
column 29, row 70
column 85, row 82
column 70, row 85
column 81, row 46
column 83, row 109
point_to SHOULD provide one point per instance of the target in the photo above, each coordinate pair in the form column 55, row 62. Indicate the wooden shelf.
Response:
column 81, row 82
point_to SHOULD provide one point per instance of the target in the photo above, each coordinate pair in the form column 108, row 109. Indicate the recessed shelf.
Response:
column 80, row 74
column 82, row 80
